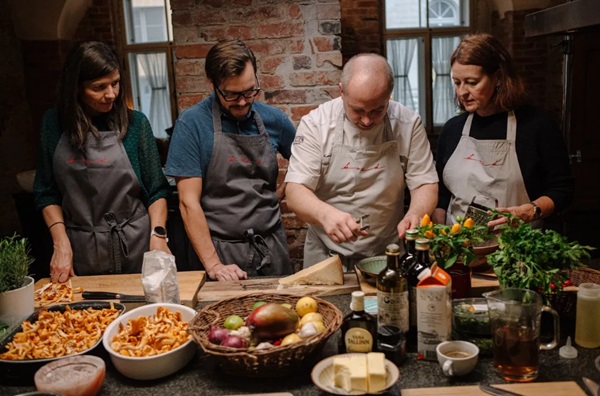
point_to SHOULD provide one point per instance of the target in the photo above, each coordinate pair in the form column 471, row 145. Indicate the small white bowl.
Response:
column 151, row 367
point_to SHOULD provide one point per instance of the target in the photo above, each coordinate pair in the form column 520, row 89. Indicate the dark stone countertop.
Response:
column 201, row 377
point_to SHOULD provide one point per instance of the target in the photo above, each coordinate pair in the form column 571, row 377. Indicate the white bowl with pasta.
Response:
column 150, row 342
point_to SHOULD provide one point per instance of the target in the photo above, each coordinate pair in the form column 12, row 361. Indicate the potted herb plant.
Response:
column 535, row 259
column 452, row 249
column 16, row 286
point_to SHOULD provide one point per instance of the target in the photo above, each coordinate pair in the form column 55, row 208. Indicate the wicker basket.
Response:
column 274, row 362
column 565, row 302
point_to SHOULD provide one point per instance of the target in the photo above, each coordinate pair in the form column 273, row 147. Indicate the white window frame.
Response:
column 425, row 35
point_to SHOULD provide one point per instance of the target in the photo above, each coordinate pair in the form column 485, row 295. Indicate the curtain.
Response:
column 400, row 56
column 154, row 66
column 443, row 90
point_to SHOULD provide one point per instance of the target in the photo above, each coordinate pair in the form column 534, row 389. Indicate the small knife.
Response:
column 593, row 386
column 97, row 295
column 497, row 391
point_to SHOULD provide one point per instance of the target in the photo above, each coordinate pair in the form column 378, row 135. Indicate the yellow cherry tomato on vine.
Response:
column 468, row 223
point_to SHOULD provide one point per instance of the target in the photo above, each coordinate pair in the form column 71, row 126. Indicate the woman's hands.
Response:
column 61, row 263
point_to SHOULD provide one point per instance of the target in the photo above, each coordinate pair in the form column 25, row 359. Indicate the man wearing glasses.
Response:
column 351, row 161
column 223, row 155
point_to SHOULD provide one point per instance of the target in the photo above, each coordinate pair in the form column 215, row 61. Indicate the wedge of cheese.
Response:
column 377, row 376
column 350, row 373
column 327, row 272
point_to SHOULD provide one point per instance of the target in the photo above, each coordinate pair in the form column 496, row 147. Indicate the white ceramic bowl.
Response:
column 151, row 367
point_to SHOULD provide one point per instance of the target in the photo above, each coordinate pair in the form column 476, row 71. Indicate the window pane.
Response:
column 443, row 89
column 150, row 85
column 406, row 58
column 146, row 21
column 403, row 14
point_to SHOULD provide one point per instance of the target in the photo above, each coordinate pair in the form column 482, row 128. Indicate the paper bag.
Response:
column 159, row 278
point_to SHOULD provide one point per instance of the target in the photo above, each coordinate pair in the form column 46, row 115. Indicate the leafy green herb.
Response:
column 14, row 262
column 534, row 259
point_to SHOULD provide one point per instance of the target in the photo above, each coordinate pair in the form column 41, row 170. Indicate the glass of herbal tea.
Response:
column 515, row 320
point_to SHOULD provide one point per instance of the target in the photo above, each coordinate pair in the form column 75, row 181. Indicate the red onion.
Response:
column 234, row 342
column 216, row 335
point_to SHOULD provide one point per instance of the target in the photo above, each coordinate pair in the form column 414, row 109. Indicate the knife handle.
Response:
column 92, row 295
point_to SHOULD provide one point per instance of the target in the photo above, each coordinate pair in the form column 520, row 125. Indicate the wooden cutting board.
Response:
column 215, row 291
column 189, row 284
column 567, row 388
column 478, row 285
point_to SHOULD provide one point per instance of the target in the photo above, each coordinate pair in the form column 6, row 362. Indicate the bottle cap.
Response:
column 422, row 244
column 412, row 233
column 358, row 301
column 568, row 351
column 392, row 248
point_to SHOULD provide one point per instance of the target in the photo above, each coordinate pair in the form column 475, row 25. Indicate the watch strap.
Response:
column 537, row 211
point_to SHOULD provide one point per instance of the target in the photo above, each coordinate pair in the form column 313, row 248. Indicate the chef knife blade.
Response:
column 497, row 391
column 593, row 386
column 97, row 295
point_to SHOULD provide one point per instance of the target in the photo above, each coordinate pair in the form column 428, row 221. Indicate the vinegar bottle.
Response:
column 587, row 324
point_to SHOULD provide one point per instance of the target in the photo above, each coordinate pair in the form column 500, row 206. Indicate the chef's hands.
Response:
column 61, row 263
column 524, row 212
column 409, row 221
column 222, row 272
column 341, row 226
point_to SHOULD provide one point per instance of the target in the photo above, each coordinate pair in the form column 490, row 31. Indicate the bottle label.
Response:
column 393, row 309
column 358, row 339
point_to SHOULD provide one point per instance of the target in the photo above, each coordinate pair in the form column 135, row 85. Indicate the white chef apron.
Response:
column 484, row 168
column 361, row 181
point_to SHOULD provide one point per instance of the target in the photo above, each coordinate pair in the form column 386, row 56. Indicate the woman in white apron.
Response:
column 498, row 150
column 99, row 181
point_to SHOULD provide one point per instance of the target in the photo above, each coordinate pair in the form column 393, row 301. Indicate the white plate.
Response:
column 322, row 376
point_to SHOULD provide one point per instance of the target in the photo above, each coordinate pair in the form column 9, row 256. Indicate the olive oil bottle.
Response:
column 359, row 328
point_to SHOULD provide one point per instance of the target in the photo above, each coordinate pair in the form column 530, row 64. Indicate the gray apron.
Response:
column 488, row 169
column 107, row 224
column 240, row 202
column 360, row 181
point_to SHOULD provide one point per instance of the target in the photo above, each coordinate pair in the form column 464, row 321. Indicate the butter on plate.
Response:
column 360, row 372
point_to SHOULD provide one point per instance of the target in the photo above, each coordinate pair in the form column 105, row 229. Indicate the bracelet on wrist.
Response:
column 53, row 224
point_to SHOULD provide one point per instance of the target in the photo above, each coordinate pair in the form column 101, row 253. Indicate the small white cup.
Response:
column 457, row 357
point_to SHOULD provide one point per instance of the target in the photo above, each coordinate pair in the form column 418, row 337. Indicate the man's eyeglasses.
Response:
column 235, row 96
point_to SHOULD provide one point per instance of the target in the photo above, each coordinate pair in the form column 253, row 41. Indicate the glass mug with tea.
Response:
column 515, row 320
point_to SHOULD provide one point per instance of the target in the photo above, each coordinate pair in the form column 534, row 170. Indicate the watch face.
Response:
column 160, row 231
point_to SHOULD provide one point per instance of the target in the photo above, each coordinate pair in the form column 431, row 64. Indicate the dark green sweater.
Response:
column 140, row 147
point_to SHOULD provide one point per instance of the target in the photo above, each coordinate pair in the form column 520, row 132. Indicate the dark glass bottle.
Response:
column 392, row 300
column 410, row 253
column 359, row 328
column 420, row 268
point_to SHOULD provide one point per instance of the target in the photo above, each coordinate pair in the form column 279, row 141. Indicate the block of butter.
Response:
column 376, row 375
column 350, row 373
column 364, row 372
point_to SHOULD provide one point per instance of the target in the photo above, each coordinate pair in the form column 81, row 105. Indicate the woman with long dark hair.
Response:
column 499, row 148
column 99, row 181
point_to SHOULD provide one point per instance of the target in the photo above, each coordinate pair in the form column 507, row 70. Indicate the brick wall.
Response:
column 361, row 27
column 297, row 44
column 538, row 60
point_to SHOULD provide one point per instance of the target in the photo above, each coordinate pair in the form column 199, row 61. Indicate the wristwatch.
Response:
column 160, row 232
column 537, row 211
